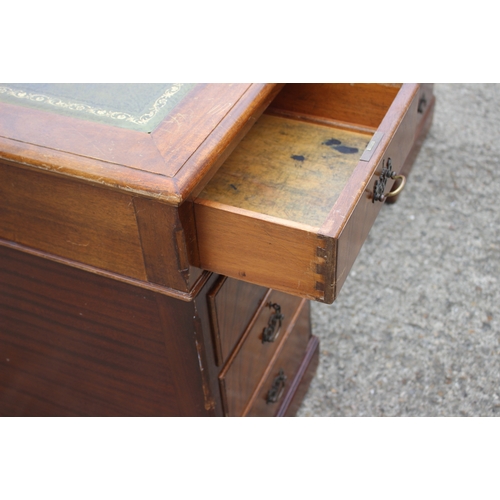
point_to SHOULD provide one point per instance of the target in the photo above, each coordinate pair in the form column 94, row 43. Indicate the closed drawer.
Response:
column 232, row 304
column 273, row 389
column 293, row 204
column 253, row 354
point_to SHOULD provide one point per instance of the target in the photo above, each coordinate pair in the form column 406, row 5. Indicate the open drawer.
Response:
column 292, row 205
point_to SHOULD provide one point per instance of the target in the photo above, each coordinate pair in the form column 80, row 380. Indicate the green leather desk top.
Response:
column 161, row 140
column 135, row 106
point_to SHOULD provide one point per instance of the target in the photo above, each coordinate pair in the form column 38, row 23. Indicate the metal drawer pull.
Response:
column 277, row 388
column 379, row 186
column 273, row 329
column 399, row 188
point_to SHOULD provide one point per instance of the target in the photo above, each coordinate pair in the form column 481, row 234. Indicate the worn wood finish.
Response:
column 206, row 352
column 288, row 169
column 185, row 329
column 206, row 127
column 288, row 357
column 164, row 244
column 70, row 163
column 232, row 304
column 42, row 129
column 74, row 343
column 237, row 238
column 72, row 220
column 207, row 159
column 104, row 307
column 246, row 366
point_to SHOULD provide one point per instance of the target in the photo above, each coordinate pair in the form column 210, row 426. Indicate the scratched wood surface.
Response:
column 289, row 169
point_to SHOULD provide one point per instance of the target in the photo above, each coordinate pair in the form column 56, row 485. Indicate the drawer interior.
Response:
column 296, row 160
column 291, row 206
column 289, row 169
column 343, row 104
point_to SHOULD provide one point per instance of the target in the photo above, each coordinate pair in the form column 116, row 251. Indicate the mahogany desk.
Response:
column 159, row 244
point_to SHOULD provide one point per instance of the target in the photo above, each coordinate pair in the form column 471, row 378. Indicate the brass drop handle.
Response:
column 399, row 188
column 379, row 186
column 273, row 328
column 276, row 391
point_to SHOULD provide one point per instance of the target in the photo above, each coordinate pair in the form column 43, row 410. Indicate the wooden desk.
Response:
column 159, row 244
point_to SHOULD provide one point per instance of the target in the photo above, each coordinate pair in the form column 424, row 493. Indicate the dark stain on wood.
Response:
column 346, row 150
column 298, row 157
column 332, row 142
column 337, row 145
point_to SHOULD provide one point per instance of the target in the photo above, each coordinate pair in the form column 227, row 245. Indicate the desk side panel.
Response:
column 74, row 343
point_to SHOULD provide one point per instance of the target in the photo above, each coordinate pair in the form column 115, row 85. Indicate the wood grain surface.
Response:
column 73, row 343
column 361, row 104
column 289, row 169
column 84, row 223
column 299, row 385
column 247, row 365
column 287, row 358
column 426, row 105
column 354, row 213
column 164, row 246
column 232, row 304
column 166, row 165
column 299, row 231
column 261, row 249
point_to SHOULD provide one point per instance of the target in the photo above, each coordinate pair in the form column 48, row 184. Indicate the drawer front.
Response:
column 425, row 110
column 293, row 204
column 232, row 304
column 351, row 235
column 272, row 391
column 245, row 368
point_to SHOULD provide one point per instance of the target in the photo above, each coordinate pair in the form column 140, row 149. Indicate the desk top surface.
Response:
column 161, row 140
column 134, row 106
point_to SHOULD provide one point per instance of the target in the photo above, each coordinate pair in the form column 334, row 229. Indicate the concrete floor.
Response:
column 415, row 330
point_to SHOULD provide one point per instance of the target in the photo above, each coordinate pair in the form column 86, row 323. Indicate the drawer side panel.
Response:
column 355, row 231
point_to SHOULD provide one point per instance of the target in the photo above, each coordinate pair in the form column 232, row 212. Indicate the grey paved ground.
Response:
column 416, row 328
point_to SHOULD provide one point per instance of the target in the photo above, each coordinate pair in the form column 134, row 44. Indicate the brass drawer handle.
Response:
column 379, row 186
column 273, row 328
column 399, row 188
column 277, row 388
